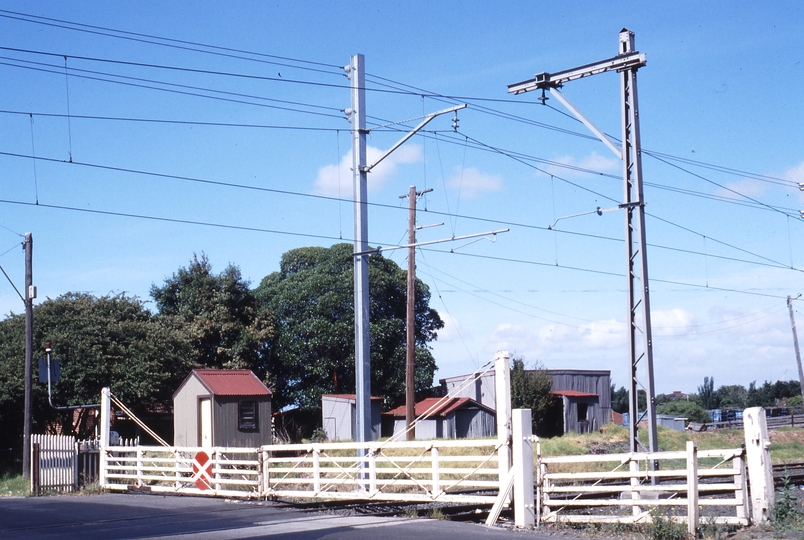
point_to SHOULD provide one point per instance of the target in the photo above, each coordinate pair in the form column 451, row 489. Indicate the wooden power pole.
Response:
column 30, row 294
column 410, row 364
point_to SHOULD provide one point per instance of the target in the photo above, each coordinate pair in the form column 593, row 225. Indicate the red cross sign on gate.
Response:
column 202, row 470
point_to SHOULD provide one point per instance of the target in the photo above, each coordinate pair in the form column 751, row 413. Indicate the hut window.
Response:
column 583, row 409
column 247, row 415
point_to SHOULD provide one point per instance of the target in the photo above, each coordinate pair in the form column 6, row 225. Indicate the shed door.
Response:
column 205, row 422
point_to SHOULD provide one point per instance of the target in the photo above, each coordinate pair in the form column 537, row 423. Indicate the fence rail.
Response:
column 411, row 471
column 621, row 488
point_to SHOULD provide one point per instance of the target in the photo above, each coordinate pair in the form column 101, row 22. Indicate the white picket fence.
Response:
column 448, row 470
column 54, row 463
column 60, row 463
column 621, row 488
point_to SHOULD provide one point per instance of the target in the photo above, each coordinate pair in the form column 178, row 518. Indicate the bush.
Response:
column 688, row 409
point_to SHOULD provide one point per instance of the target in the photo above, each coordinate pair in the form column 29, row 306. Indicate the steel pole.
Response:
column 637, row 257
column 361, row 259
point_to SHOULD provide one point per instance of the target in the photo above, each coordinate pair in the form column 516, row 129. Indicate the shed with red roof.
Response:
column 445, row 418
column 223, row 408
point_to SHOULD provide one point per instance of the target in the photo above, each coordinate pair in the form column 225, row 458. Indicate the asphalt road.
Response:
column 157, row 516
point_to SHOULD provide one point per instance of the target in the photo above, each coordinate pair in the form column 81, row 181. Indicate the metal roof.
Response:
column 572, row 393
column 438, row 406
column 231, row 382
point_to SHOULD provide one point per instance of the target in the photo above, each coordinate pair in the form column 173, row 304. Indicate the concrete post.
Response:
column 760, row 471
column 523, row 468
column 502, row 383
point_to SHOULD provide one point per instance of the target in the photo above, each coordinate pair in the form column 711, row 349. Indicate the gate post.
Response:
column 760, row 471
column 523, row 467
column 105, row 413
column 692, row 489
column 502, row 383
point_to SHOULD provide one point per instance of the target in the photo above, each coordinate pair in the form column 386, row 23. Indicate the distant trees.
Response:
column 707, row 396
column 100, row 341
column 530, row 389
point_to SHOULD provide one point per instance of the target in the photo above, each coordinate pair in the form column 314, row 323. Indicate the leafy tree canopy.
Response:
column 530, row 389
column 312, row 352
column 108, row 341
column 225, row 325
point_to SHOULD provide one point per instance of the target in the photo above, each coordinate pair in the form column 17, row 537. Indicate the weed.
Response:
column 436, row 513
column 662, row 527
column 14, row 486
column 710, row 530
column 92, row 489
column 785, row 515
column 411, row 511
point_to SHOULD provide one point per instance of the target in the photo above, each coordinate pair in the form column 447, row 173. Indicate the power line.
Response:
column 171, row 42
column 77, row 72
column 327, row 237
column 172, row 220
column 168, row 121
column 389, row 206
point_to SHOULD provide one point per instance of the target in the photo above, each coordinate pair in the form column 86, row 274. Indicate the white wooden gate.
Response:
column 54, row 463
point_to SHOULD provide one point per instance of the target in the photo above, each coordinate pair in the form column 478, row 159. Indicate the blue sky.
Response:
column 721, row 115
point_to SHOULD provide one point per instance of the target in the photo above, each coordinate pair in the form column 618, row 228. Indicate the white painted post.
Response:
column 502, row 383
column 372, row 472
column 633, row 467
column 760, row 471
column 105, row 422
column 436, row 473
column 541, row 469
column 523, row 468
column 316, row 469
column 741, row 493
column 692, row 489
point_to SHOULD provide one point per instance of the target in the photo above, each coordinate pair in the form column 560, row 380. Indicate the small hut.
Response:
column 447, row 418
column 222, row 407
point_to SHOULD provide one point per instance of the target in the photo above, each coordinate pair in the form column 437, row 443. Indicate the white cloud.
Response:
column 451, row 330
column 593, row 161
column 672, row 322
column 746, row 186
column 471, row 183
column 336, row 180
column 796, row 174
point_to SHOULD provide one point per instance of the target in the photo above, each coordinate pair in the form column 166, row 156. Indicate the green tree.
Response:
column 311, row 298
column 221, row 318
column 733, row 396
column 108, row 341
column 687, row 409
column 619, row 399
column 707, row 395
column 530, row 389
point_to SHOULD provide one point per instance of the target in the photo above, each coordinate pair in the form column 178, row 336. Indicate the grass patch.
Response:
column 14, row 486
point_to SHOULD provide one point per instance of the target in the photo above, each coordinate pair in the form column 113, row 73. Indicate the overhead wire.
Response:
column 373, row 204
column 447, row 97
column 187, row 45
column 181, row 89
